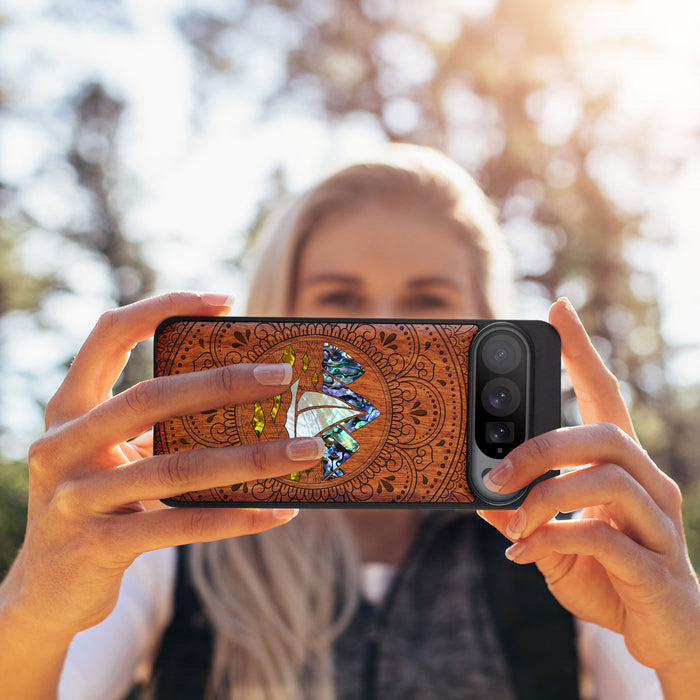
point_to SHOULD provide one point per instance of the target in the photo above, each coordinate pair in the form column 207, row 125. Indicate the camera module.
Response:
column 505, row 359
column 500, row 398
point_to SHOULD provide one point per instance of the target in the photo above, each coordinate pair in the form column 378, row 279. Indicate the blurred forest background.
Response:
column 580, row 119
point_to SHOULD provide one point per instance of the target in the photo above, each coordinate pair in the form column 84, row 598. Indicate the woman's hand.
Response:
column 623, row 564
column 87, row 518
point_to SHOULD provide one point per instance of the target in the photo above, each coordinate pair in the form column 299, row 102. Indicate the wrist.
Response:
column 682, row 681
column 27, row 631
column 32, row 655
column 19, row 619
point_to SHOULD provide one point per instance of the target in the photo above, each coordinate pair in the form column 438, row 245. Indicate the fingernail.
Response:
column 218, row 300
column 273, row 374
column 285, row 514
column 499, row 476
column 515, row 550
column 304, row 449
column 517, row 525
column 569, row 306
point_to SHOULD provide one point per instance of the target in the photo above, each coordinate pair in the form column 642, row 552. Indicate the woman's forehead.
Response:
column 385, row 236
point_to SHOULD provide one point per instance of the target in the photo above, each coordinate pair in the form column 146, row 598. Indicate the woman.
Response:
column 412, row 236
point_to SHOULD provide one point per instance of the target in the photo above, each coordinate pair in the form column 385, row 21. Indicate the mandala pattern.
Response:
column 398, row 435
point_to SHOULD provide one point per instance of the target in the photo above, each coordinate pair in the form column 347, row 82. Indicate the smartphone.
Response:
column 413, row 413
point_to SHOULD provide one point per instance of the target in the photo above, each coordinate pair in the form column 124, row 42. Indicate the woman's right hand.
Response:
column 87, row 518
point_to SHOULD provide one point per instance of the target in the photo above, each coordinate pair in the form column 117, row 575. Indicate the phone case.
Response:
column 389, row 398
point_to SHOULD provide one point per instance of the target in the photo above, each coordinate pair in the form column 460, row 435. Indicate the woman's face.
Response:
column 385, row 261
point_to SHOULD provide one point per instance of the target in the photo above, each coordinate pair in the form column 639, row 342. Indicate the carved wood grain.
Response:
column 415, row 375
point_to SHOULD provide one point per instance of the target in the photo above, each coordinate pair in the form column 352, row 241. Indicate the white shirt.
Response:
column 104, row 661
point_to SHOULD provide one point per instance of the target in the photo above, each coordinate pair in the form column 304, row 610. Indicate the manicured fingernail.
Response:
column 285, row 514
column 499, row 476
column 517, row 525
column 515, row 550
column 304, row 449
column 273, row 374
column 218, row 300
column 569, row 306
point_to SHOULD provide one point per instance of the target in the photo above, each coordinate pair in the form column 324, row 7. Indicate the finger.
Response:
column 613, row 550
column 497, row 518
column 140, row 407
column 165, row 476
column 105, row 352
column 606, row 486
column 143, row 444
column 579, row 445
column 596, row 388
column 131, row 452
column 142, row 532
column 138, row 448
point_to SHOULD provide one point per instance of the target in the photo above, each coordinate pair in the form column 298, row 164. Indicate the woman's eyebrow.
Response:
column 434, row 281
column 332, row 277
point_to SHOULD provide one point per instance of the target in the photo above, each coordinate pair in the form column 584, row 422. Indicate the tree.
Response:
column 93, row 155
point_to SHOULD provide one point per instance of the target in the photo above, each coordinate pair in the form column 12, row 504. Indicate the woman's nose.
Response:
column 384, row 307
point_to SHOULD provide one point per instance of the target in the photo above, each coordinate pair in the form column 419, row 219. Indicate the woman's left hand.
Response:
column 623, row 564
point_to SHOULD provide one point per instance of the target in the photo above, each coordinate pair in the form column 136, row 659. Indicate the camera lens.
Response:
column 499, row 432
column 502, row 353
column 500, row 396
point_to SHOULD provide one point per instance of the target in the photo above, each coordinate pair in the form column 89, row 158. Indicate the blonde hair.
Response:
column 277, row 600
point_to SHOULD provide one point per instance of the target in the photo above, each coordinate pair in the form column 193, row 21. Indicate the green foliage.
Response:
column 18, row 289
column 691, row 520
column 14, row 484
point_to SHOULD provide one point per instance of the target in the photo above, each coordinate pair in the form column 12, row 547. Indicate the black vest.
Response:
column 534, row 634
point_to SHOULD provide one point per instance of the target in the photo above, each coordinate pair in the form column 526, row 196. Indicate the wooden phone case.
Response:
column 388, row 398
